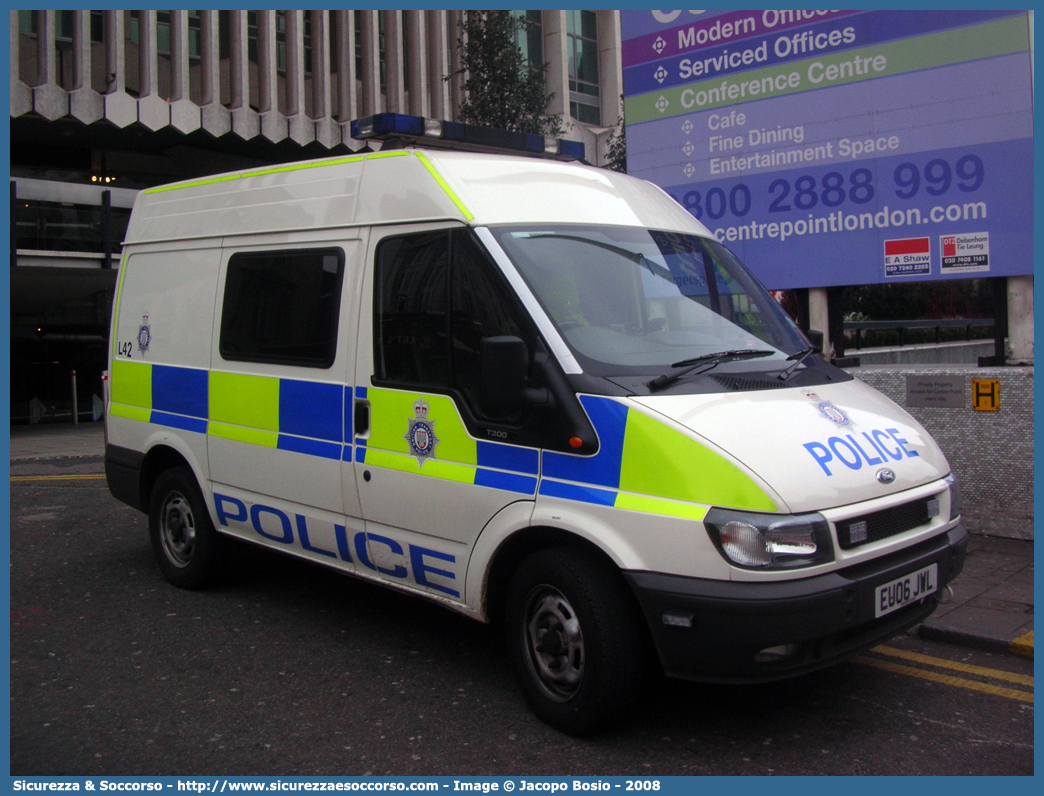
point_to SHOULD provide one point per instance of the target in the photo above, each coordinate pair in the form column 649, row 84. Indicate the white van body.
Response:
column 312, row 448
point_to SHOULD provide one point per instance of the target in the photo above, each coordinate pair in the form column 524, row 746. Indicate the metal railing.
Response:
column 938, row 324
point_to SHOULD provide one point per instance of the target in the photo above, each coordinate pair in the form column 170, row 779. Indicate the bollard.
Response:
column 75, row 408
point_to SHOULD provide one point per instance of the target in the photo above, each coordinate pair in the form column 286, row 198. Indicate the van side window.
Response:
column 416, row 341
column 282, row 307
column 479, row 310
column 412, row 294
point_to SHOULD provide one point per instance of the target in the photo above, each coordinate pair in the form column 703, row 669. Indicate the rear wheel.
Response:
column 575, row 639
column 188, row 549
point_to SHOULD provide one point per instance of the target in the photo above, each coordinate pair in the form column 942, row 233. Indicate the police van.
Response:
column 536, row 392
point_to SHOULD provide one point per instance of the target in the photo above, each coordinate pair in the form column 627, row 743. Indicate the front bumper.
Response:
column 827, row 617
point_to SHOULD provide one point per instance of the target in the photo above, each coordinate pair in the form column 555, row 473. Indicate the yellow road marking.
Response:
column 1010, row 693
column 77, row 477
column 942, row 663
column 1023, row 645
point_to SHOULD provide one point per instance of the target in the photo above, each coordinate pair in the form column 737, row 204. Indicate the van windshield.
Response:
column 631, row 301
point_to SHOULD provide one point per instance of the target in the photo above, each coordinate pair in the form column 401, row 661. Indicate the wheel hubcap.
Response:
column 554, row 644
column 178, row 530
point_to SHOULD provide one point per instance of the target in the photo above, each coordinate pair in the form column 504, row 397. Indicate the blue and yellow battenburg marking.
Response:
column 315, row 419
column 457, row 457
column 302, row 416
column 642, row 464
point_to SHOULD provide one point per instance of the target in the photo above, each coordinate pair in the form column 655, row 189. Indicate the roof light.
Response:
column 456, row 135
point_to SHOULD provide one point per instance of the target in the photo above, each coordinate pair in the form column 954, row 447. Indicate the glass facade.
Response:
column 530, row 37
column 57, row 226
column 582, row 34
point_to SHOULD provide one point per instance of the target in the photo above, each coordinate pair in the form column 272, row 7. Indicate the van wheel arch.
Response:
column 519, row 546
column 158, row 460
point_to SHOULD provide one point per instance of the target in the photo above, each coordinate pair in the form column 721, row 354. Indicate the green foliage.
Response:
column 501, row 89
column 965, row 298
column 616, row 151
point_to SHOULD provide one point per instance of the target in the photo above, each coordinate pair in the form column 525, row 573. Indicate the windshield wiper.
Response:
column 797, row 358
column 708, row 361
column 635, row 257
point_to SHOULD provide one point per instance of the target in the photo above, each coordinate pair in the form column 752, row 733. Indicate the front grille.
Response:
column 868, row 528
column 746, row 384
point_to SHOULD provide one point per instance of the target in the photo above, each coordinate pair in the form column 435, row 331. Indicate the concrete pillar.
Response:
column 438, row 64
column 179, row 73
column 245, row 122
column 21, row 94
column 454, row 19
column 50, row 100
column 416, row 37
column 370, row 74
column 184, row 113
column 215, row 118
column 394, row 89
column 347, row 101
column 273, row 122
column 121, row 109
column 85, row 104
column 300, row 125
column 327, row 132
column 115, row 48
column 46, row 58
column 556, row 53
column 1020, row 320
column 610, row 67
column 153, row 110
column 819, row 317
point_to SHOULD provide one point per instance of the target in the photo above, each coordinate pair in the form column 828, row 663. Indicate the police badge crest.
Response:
column 144, row 334
column 420, row 435
column 833, row 413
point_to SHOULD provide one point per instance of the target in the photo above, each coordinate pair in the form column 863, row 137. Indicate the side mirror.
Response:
column 503, row 363
column 815, row 337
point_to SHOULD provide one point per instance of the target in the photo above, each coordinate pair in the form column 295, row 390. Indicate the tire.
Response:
column 188, row 549
column 575, row 639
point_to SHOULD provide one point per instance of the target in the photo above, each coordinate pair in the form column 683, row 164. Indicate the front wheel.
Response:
column 188, row 549
column 575, row 640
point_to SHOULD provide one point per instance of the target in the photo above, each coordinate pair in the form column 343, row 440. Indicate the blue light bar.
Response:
column 386, row 124
column 456, row 135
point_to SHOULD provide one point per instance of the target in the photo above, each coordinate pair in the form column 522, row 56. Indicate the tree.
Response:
column 501, row 89
column 616, row 151
column 616, row 145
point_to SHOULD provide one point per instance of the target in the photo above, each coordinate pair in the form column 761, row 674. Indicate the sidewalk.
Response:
column 992, row 605
column 46, row 441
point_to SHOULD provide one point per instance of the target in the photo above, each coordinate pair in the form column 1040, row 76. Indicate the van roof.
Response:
column 402, row 186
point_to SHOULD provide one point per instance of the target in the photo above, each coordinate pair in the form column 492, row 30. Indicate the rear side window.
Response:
column 282, row 307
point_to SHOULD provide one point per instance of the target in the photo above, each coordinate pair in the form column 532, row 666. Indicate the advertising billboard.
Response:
column 841, row 147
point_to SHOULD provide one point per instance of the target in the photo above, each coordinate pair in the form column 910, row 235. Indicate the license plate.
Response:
column 905, row 590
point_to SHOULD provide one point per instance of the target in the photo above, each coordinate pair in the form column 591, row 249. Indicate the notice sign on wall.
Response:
column 809, row 141
column 908, row 257
column 963, row 253
column 943, row 391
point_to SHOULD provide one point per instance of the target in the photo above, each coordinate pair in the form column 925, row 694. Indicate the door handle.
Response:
column 361, row 418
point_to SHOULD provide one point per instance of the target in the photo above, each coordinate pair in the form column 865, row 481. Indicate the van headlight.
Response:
column 770, row 541
column 955, row 496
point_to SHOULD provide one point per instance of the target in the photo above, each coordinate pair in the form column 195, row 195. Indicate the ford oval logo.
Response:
column 885, row 476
